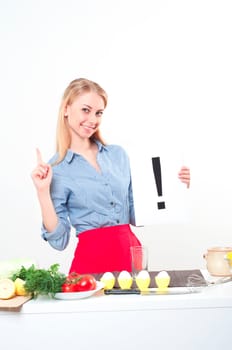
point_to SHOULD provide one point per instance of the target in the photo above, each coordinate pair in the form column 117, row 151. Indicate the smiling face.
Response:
column 84, row 115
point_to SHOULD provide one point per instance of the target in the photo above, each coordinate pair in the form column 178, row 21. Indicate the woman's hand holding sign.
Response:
column 184, row 175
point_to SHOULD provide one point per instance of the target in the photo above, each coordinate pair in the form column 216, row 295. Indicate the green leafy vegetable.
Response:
column 41, row 281
column 11, row 266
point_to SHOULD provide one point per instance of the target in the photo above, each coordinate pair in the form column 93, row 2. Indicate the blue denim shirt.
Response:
column 86, row 199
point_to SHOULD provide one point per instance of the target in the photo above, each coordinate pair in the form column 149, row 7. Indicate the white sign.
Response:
column 151, row 205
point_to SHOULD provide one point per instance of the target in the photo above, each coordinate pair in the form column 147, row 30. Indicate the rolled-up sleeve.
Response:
column 59, row 238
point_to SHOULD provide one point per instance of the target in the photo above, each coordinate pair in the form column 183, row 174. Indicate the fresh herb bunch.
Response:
column 41, row 281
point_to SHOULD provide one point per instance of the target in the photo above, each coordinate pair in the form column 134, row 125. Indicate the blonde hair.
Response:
column 73, row 90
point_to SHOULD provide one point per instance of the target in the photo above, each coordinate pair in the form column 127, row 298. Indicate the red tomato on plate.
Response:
column 73, row 277
column 68, row 288
column 85, row 282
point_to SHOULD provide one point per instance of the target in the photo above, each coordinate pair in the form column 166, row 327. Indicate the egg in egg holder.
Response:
column 139, row 266
column 162, row 280
column 108, row 279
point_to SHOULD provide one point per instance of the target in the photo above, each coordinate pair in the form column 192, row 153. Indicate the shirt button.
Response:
column 117, row 221
column 111, row 203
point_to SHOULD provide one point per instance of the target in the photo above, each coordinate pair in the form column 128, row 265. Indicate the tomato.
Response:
column 85, row 282
column 68, row 287
column 73, row 277
column 78, row 283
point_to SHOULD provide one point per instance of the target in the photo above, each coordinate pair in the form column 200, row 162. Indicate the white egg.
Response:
column 125, row 280
column 108, row 276
column 108, row 279
column 124, row 275
column 163, row 274
column 143, row 280
column 162, row 280
column 143, row 274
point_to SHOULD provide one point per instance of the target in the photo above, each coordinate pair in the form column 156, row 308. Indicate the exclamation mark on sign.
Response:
column 158, row 179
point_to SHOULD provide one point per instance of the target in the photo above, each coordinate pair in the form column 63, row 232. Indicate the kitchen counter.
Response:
column 195, row 321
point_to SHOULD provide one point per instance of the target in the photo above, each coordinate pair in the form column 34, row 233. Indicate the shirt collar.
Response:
column 70, row 154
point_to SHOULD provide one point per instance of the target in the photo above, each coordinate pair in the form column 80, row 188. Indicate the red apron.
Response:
column 104, row 249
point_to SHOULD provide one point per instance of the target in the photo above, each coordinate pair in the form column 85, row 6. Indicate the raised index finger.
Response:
column 39, row 156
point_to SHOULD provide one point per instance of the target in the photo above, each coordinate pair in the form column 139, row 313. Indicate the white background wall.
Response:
column 166, row 66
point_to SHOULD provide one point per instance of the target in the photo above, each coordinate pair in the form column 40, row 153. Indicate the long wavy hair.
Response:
column 73, row 90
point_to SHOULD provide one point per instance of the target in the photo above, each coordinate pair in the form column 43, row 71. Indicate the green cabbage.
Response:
column 12, row 266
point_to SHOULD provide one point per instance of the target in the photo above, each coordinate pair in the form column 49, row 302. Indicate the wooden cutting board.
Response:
column 13, row 304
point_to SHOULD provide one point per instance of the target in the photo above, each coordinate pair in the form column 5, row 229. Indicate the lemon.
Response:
column 229, row 258
column 125, row 280
column 229, row 255
column 162, row 280
column 143, row 280
column 7, row 288
column 108, row 279
column 19, row 287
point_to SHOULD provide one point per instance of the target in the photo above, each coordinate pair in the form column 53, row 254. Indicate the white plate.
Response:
column 79, row 295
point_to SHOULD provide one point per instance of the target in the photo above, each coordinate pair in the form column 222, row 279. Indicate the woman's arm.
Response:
column 49, row 216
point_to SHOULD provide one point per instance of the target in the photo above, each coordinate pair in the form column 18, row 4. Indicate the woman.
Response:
column 87, row 185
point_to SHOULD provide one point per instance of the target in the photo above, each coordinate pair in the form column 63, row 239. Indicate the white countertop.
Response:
column 195, row 321
column 217, row 296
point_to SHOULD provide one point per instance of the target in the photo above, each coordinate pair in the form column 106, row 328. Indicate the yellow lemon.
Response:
column 7, row 288
column 19, row 287
column 108, row 279
column 125, row 280
column 143, row 280
column 162, row 280
column 229, row 256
